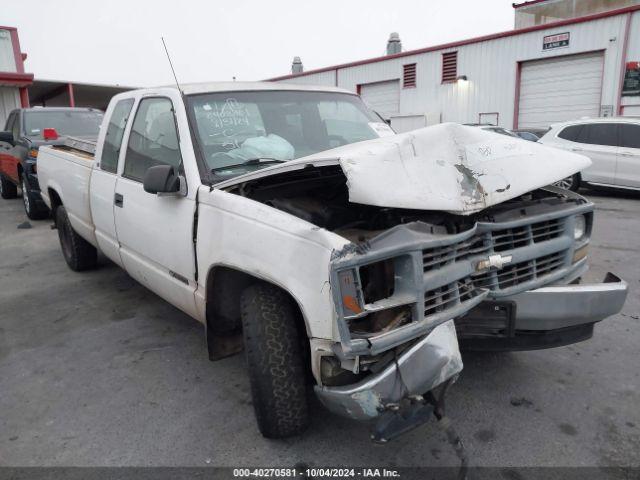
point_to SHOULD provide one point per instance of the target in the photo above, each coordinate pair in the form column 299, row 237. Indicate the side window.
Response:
column 113, row 137
column 600, row 134
column 153, row 139
column 571, row 133
column 630, row 135
column 8, row 127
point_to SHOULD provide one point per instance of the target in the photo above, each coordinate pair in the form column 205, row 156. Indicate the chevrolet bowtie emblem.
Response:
column 496, row 261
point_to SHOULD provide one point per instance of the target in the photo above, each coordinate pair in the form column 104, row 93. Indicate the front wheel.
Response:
column 570, row 183
column 32, row 209
column 275, row 358
column 78, row 253
column 7, row 189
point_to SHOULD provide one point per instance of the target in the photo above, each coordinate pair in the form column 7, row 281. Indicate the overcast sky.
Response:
column 118, row 41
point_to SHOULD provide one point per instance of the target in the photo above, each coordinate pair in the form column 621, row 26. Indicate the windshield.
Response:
column 236, row 127
column 66, row 122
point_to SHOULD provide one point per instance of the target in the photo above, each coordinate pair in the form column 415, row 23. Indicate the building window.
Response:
column 409, row 75
column 449, row 67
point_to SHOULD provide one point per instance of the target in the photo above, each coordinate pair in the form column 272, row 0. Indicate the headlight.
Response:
column 579, row 227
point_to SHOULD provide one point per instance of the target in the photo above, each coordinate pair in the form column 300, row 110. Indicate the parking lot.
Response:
column 97, row 370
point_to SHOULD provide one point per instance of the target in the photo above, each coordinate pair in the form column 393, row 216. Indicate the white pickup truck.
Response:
column 293, row 223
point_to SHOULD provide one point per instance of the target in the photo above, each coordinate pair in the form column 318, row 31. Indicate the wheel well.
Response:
column 224, row 288
column 19, row 173
column 55, row 200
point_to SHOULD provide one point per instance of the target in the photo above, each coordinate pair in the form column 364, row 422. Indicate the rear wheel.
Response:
column 275, row 357
column 33, row 210
column 569, row 183
column 78, row 253
column 7, row 189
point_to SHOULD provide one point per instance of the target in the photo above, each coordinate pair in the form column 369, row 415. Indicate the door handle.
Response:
column 627, row 154
column 118, row 200
column 576, row 149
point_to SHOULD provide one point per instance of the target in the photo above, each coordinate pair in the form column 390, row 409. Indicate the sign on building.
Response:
column 556, row 40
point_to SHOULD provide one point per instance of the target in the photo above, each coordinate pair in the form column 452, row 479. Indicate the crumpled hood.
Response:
column 448, row 167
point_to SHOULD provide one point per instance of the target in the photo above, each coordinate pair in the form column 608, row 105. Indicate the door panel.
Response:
column 628, row 171
column 155, row 232
column 599, row 141
column 156, row 243
column 103, row 186
column 103, row 180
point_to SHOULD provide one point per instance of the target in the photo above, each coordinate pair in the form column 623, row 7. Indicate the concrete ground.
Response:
column 96, row 370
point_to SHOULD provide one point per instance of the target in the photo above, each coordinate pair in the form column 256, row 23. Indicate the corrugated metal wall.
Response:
column 491, row 70
column 632, row 104
column 9, row 99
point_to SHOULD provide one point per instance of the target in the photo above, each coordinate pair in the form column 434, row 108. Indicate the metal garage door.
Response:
column 383, row 97
column 559, row 89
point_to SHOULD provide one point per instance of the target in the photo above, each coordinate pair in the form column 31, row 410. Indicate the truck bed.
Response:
column 67, row 170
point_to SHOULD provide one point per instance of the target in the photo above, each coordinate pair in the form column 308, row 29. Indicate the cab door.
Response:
column 155, row 232
column 104, row 177
column 599, row 142
column 628, row 171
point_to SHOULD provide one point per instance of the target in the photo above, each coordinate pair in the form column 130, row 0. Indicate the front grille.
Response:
column 434, row 258
column 548, row 230
column 510, row 238
column 482, row 245
column 512, row 275
column 442, row 298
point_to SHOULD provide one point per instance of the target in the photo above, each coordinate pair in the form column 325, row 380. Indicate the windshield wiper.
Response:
column 251, row 161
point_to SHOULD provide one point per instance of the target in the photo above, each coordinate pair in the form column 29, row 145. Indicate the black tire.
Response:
column 31, row 207
column 78, row 253
column 7, row 189
column 276, row 361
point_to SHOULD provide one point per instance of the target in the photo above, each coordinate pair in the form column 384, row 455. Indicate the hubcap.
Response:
column 25, row 196
column 565, row 183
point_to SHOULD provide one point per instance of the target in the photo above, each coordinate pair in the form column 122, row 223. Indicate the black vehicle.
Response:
column 26, row 130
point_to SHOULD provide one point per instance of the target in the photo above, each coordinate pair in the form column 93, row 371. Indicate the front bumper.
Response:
column 541, row 318
column 429, row 363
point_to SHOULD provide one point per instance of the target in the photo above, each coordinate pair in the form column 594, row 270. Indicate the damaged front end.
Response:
column 393, row 389
column 451, row 235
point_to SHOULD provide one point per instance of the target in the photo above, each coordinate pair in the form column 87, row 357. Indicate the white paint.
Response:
column 447, row 167
column 407, row 123
column 382, row 129
column 382, row 97
column 613, row 165
column 560, row 89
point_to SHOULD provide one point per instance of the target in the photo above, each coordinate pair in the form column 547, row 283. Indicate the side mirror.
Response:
column 162, row 179
column 6, row 137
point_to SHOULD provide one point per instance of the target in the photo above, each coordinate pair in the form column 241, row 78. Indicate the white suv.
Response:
column 612, row 144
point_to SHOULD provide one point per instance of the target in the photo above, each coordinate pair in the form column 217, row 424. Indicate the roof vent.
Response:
column 296, row 66
column 394, row 45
